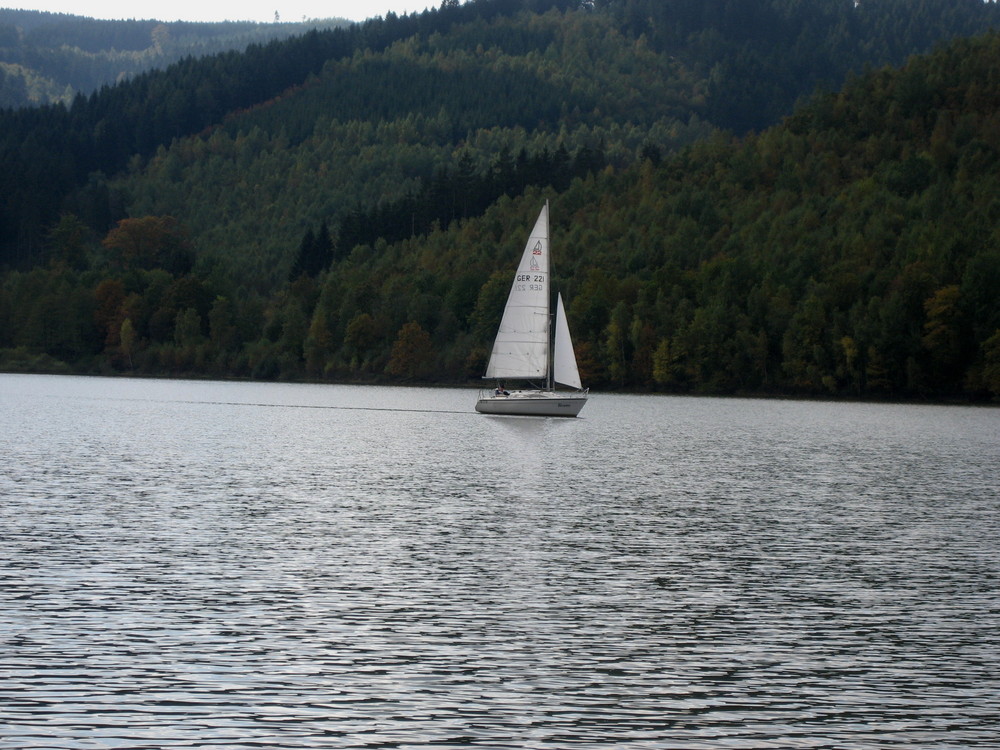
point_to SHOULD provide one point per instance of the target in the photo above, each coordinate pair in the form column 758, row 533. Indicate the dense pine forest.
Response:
column 753, row 198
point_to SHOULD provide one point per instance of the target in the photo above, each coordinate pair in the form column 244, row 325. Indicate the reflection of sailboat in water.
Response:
column 525, row 347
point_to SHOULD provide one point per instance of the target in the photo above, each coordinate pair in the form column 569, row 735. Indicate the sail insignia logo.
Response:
column 533, row 264
column 538, row 249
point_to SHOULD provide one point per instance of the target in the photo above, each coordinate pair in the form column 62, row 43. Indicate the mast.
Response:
column 550, row 384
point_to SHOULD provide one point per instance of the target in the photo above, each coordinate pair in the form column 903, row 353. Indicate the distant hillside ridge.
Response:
column 51, row 57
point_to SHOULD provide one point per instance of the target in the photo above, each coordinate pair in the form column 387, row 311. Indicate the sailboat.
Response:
column 529, row 347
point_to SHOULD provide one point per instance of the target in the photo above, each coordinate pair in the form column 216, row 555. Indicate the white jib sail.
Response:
column 564, row 370
column 521, row 349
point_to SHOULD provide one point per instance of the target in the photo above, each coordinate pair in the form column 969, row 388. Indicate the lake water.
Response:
column 198, row 564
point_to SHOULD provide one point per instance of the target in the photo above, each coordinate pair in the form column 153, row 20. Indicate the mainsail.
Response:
column 521, row 349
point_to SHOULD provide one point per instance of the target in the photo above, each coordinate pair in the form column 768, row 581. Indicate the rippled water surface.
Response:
column 191, row 564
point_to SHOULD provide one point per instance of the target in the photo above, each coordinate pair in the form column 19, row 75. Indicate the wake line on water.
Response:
column 283, row 406
column 321, row 406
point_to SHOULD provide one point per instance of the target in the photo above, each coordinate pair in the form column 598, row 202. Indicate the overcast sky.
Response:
column 226, row 10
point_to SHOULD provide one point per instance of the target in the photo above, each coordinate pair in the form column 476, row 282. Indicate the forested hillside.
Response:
column 354, row 208
column 51, row 57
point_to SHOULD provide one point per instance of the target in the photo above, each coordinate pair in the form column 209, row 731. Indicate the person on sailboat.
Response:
column 501, row 391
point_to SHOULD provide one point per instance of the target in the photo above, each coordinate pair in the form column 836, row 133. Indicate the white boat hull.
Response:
column 533, row 404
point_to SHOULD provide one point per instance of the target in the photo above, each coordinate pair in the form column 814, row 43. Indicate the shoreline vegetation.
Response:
column 47, row 366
